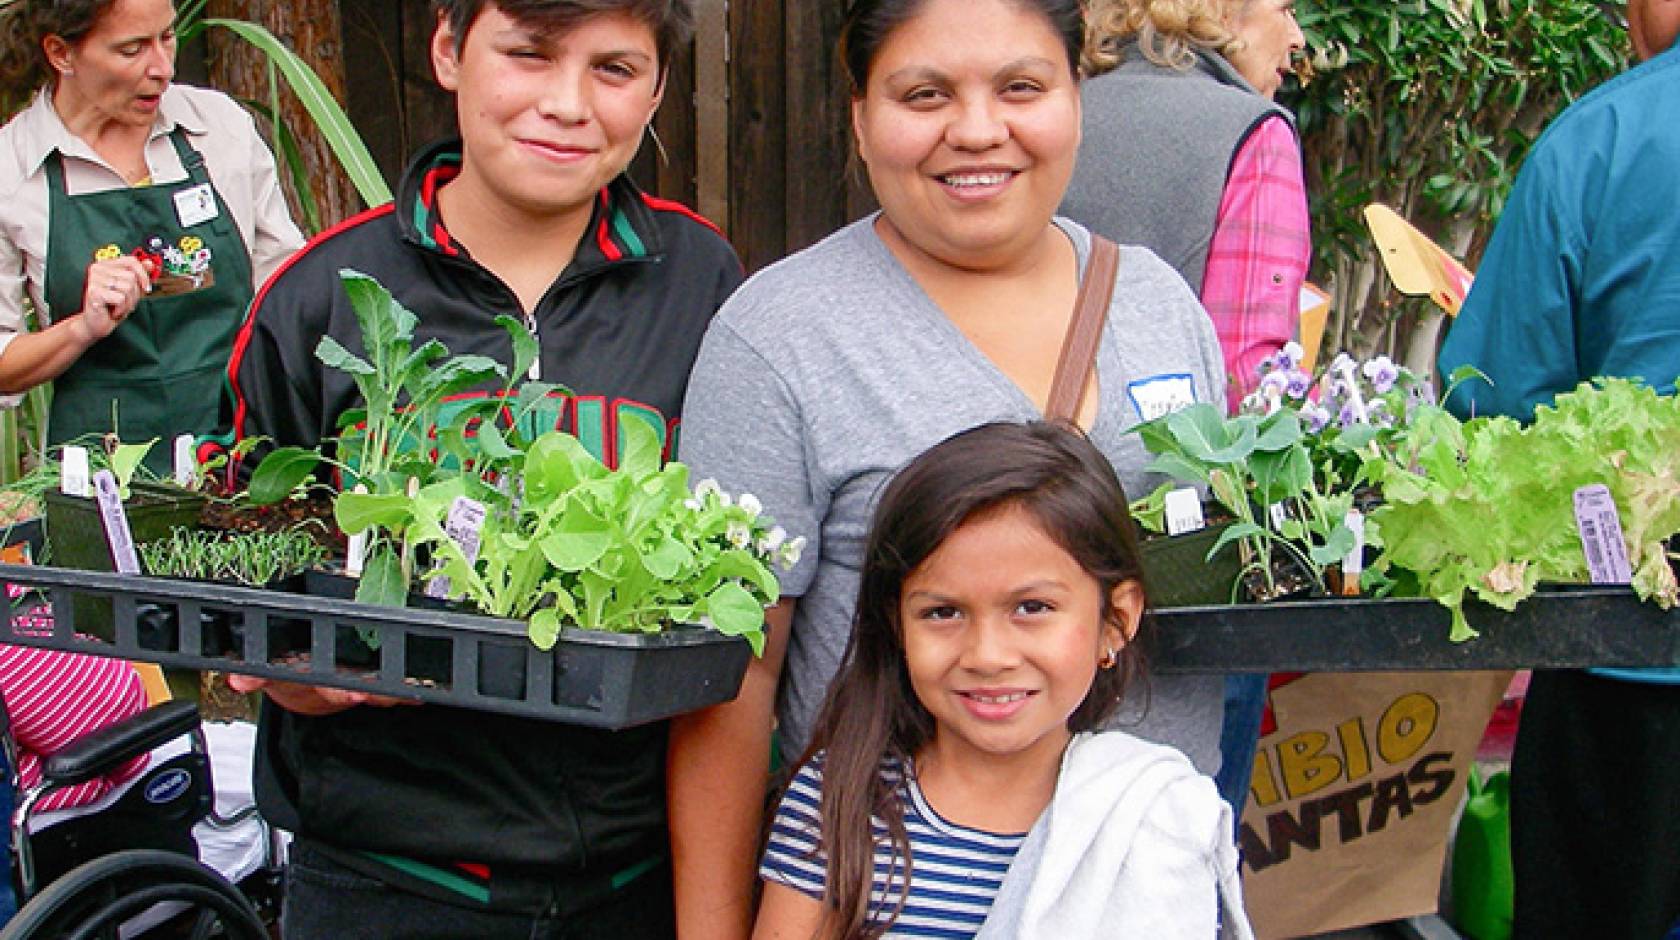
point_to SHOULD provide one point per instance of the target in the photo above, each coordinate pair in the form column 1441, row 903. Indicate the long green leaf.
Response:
column 334, row 124
column 291, row 156
column 382, row 580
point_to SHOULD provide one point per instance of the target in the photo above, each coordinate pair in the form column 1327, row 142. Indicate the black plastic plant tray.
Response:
column 1559, row 628
column 602, row 680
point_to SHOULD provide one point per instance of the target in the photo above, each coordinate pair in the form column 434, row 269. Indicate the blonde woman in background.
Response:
column 1185, row 153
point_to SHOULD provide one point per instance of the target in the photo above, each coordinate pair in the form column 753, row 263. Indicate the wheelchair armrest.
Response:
column 102, row 751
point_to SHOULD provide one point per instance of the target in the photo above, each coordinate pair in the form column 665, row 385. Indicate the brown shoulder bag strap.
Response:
column 1079, row 348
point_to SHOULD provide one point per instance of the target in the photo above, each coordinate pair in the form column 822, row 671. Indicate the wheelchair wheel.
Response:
column 93, row 900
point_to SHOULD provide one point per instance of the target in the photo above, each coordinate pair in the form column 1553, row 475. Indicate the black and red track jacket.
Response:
column 476, row 808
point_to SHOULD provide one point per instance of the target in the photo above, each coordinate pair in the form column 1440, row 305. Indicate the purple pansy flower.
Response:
column 1382, row 372
column 1316, row 417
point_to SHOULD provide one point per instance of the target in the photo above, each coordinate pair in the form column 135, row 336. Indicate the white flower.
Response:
column 772, row 540
column 792, row 550
column 751, row 505
column 1293, row 352
column 707, row 487
column 692, row 503
column 739, row 534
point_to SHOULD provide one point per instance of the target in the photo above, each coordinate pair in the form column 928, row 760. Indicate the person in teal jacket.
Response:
column 1582, row 279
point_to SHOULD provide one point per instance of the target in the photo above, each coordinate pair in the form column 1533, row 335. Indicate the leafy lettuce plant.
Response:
column 1486, row 507
column 627, row 550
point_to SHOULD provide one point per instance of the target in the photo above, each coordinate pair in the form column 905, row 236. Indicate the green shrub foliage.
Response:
column 1429, row 106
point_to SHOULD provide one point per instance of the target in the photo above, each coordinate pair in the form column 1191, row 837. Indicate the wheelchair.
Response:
column 111, row 872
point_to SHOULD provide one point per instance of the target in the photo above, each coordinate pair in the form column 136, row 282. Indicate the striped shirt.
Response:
column 54, row 698
column 1258, row 257
column 955, row 873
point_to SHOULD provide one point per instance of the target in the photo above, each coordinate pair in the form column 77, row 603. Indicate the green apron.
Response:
column 163, row 365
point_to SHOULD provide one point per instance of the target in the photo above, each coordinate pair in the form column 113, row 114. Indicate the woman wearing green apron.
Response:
column 138, row 215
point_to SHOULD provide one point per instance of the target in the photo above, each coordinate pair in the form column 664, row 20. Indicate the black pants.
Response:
column 1595, row 809
column 327, row 901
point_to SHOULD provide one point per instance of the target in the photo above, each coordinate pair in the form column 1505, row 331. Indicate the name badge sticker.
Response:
column 1161, row 395
column 196, row 205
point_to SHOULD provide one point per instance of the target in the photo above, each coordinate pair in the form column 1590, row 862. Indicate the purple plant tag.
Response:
column 116, row 523
column 1601, row 535
column 466, row 520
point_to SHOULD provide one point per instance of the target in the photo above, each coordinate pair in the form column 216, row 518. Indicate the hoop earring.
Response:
column 659, row 145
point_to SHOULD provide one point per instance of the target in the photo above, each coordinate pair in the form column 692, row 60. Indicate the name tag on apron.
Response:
column 195, row 205
column 1161, row 395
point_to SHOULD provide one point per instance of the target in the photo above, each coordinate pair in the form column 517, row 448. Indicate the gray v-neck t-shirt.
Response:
column 831, row 369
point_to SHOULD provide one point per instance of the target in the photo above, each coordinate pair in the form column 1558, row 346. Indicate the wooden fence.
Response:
column 753, row 131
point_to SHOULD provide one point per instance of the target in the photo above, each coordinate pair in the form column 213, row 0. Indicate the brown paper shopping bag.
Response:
column 1355, row 785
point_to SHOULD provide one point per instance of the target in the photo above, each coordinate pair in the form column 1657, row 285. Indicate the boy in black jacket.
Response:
column 425, row 821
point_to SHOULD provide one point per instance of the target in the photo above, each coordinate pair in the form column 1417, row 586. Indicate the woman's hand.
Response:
column 311, row 700
column 113, row 289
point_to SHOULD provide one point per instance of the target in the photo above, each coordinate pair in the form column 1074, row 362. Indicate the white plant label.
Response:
column 186, row 465
column 1354, row 564
column 1601, row 535
column 1356, row 400
column 1280, row 515
column 465, row 522
column 1184, row 511
column 73, row 477
column 116, row 523
column 355, row 550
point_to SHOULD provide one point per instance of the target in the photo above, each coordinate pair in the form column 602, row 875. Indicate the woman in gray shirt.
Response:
column 945, row 310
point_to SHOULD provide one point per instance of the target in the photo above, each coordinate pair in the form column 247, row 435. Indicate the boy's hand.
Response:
column 311, row 700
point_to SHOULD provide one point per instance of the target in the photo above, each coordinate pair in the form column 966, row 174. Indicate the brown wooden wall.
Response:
column 782, row 181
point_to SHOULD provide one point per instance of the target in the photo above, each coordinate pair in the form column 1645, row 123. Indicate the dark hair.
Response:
column 870, row 22
column 26, row 23
column 871, row 713
column 672, row 21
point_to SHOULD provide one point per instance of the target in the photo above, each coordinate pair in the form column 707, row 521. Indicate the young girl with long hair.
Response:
column 998, row 621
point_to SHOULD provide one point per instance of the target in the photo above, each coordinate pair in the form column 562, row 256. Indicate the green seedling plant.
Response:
column 1485, row 507
column 254, row 559
column 626, row 550
column 385, row 447
column 1247, row 462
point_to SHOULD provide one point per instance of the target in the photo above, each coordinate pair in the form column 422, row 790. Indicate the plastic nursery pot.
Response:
column 76, row 537
column 1177, row 571
column 501, row 665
